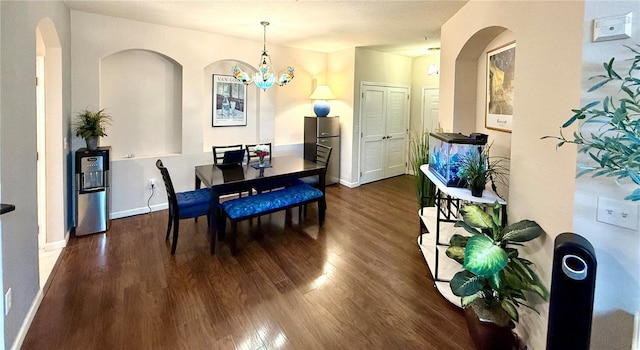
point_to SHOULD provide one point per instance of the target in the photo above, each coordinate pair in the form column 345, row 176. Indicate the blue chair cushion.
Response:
column 270, row 201
column 194, row 203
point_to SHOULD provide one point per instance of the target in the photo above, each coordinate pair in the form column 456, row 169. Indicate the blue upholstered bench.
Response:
column 268, row 202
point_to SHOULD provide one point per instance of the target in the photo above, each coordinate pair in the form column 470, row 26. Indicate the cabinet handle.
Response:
column 384, row 137
column 389, row 137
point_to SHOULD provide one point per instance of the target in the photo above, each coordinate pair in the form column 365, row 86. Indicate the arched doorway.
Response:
column 51, row 234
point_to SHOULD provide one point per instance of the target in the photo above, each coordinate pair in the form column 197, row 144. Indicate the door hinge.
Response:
column 361, row 174
column 36, row 81
column 363, row 95
column 361, row 134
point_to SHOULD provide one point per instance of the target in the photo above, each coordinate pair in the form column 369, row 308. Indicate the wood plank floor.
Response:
column 358, row 282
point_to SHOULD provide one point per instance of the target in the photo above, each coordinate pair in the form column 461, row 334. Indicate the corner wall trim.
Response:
column 22, row 333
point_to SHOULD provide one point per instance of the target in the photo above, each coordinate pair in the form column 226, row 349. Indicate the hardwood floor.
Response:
column 358, row 282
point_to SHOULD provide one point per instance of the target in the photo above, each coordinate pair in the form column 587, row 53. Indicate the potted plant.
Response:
column 477, row 168
column 494, row 279
column 91, row 125
column 614, row 142
column 419, row 155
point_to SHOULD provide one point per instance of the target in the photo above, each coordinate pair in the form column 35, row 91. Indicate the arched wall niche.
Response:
column 251, row 133
column 466, row 92
column 470, row 91
column 142, row 88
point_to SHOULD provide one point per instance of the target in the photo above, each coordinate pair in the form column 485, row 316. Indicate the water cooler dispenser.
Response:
column 92, row 190
column 573, row 284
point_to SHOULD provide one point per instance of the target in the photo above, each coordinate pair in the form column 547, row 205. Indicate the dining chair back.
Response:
column 183, row 205
column 219, row 151
column 251, row 154
column 323, row 155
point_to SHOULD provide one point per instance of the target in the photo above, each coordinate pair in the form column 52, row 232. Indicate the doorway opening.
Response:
column 50, row 147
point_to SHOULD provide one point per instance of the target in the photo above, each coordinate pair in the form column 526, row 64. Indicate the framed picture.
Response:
column 501, row 68
column 228, row 102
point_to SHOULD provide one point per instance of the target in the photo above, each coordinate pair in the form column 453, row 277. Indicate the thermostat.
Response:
column 612, row 28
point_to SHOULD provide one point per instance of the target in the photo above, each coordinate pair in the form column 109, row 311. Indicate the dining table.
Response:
column 243, row 178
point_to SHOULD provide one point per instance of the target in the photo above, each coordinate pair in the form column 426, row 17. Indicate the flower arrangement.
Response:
column 261, row 150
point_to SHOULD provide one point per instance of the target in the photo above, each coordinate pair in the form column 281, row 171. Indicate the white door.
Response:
column 430, row 109
column 372, row 133
column 384, row 119
column 396, row 132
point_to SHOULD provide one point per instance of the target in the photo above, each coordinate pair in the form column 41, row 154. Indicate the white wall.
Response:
column 421, row 80
column 340, row 73
column 375, row 67
column 18, row 148
column 548, row 59
column 277, row 111
column 617, row 249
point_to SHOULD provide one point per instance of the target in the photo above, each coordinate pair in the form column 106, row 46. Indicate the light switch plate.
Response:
column 618, row 213
column 612, row 28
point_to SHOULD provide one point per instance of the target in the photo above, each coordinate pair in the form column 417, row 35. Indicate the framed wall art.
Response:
column 228, row 98
column 501, row 67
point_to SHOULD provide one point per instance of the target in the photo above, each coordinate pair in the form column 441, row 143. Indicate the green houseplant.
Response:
column 494, row 278
column 91, row 125
column 419, row 155
column 614, row 146
column 477, row 169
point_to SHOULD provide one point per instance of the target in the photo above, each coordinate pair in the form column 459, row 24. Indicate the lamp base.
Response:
column 321, row 108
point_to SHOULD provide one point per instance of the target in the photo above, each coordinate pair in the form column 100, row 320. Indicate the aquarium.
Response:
column 445, row 151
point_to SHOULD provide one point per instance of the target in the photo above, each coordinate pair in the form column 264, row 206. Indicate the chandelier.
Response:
column 265, row 77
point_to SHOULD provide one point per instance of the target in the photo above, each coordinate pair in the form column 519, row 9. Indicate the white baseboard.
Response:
column 137, row 211
column 349, row 184
column 57, row 244
column 22, row 333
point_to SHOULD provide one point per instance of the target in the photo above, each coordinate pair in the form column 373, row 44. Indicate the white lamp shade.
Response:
column 322, row 92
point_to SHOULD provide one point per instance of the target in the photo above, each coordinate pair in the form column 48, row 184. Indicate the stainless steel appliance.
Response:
column 92, row 191
column 325, row 131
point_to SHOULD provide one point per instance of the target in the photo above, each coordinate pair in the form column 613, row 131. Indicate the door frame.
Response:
column 422, row 105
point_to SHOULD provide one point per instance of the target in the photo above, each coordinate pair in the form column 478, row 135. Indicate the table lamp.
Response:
column 321, row 94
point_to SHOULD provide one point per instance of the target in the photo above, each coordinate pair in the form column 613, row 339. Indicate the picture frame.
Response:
column 228, row 101
column 500, row 87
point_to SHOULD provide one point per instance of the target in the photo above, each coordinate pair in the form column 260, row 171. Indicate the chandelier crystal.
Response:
column 265, row 77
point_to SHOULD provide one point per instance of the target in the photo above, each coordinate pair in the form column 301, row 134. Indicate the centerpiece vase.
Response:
column 261, row 162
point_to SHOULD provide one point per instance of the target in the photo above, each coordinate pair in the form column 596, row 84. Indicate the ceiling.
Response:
column 407, row 28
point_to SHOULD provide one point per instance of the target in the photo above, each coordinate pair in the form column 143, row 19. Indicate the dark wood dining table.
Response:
column 225, row 181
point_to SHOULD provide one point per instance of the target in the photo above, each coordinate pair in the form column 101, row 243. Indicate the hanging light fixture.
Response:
column 265, row 77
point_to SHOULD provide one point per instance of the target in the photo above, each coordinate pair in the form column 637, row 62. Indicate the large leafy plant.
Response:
column 615, row 146
column 494, row 276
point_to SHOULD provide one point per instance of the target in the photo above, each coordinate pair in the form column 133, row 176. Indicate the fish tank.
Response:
column 445, row 152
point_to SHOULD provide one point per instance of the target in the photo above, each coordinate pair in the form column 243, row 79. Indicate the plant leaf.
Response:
column 476, row 217
column 522, row 231
column 456, row 253
column 482, row 257
column 465, row 283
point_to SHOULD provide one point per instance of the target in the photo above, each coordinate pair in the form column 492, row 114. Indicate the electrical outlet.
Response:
column 7, row 302
column 619, row 213
column 152, row 183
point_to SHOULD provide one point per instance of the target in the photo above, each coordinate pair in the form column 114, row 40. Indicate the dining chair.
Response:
column 218, row 152
column 184, row 205
column 323, row 155
column 218, row 156
column 269, row 185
